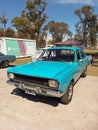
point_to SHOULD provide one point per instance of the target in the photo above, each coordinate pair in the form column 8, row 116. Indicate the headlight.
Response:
column 53, row 83
column 11, row 75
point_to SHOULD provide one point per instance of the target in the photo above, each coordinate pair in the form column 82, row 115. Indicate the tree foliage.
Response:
column 58, row 30
column 10, row 33
column 1, row 32
column 32, row 19
column 86, row 28
column 3, row 21
column 22, row 24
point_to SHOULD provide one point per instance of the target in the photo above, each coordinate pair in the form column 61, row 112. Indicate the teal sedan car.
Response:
column 53, row 74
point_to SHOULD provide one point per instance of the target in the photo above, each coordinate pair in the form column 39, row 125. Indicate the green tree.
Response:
column 1, row 32
column 58, row 30
column 86, row 28
column 22, row 24
column 3, row 21
column 32, row 19
column 10, row 33
column 50, row 42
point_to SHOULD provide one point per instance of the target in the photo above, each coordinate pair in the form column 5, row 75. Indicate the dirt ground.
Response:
column 26, row 112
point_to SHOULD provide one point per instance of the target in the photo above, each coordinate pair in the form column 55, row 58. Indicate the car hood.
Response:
column 45, row 69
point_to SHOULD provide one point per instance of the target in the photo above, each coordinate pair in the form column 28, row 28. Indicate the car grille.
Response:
column 41, row 82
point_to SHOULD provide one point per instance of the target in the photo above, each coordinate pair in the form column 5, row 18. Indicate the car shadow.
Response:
column 38, row 98
column 11, row 65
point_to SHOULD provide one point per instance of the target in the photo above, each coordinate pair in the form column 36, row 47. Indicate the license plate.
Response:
column 31, row 92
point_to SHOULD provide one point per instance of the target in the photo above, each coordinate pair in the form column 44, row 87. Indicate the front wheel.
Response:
column 4, row 64
column 67, row 97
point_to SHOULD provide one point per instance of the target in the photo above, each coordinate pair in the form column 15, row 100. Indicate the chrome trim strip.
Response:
column 36, row 89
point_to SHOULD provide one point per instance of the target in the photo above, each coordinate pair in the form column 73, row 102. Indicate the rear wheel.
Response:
column 66, row 98
column 4, row 64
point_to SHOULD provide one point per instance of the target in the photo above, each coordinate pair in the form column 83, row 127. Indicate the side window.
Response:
column 78, row 55
column 82, row 54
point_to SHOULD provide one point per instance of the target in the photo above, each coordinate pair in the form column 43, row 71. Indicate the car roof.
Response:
column 64, row 47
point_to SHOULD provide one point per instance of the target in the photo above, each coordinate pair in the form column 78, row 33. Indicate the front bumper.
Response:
column 33, row 90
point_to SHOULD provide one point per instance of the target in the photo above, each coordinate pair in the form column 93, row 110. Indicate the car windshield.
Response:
column 63, row 55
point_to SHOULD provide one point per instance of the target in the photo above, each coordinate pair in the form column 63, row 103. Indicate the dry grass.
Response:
column 92, row 69
column 21, row 61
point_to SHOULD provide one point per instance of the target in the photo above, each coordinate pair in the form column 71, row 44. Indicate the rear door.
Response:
column 84, row 60
column 79, row 62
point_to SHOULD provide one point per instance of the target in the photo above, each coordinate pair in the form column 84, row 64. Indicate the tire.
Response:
column 17, row 91
column 84, row 74
column 4, row 64
column 67, row 97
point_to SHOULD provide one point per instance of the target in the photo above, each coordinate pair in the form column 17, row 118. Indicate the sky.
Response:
column 57, row 10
